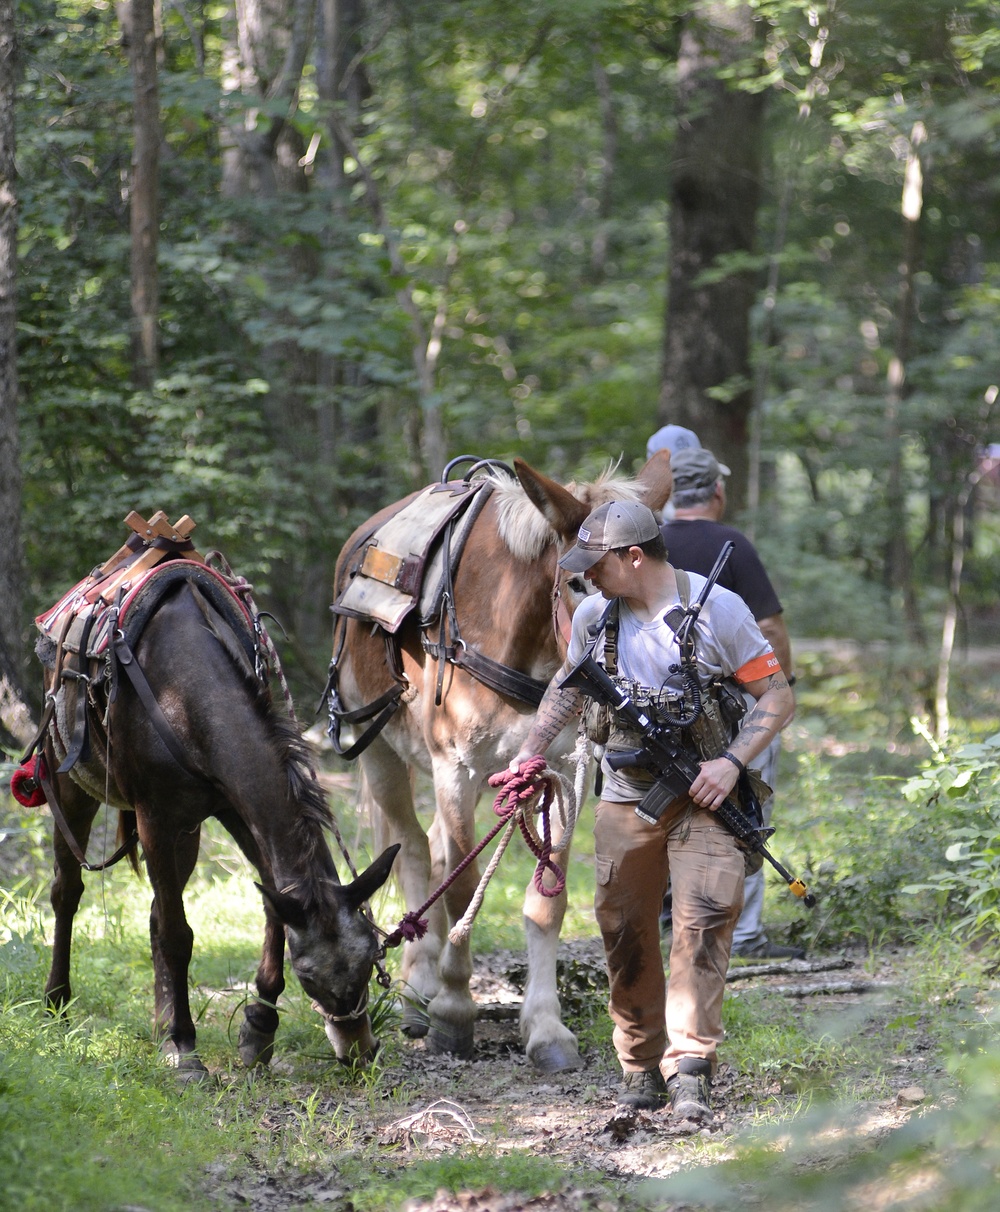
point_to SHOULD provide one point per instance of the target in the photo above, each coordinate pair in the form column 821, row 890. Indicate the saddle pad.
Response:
column 387, row 584
column 82, row 616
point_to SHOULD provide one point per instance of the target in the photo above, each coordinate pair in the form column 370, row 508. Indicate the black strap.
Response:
column 380, row 710
column 385, row 705
column 36, row 740
column 501, row 678
column 126, row 658
column 79, row 749
column 63, row 825
column 608, row 623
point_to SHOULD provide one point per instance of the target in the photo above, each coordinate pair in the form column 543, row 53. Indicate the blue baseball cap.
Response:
column 673, row 438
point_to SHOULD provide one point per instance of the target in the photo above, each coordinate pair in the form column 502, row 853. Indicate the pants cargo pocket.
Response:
column 604, row 869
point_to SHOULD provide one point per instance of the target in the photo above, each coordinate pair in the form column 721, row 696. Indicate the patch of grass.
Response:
column 89, row 1118
column 804, row 1054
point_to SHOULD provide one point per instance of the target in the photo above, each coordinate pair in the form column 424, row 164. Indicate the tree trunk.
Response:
column 144, row 193
column 714, row 193
column 15, row 718
column 898, row 562
column 263, row 153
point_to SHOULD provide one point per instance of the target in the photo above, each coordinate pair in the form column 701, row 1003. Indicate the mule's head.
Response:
column 332, row 947
column 563, row 509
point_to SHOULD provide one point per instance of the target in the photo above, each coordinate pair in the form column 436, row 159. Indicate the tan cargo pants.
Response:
column 656, row 1024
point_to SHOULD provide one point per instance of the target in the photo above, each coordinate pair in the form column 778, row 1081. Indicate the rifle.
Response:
column 674, row 768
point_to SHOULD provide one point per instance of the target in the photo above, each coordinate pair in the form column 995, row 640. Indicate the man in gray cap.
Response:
column 666, row 1038
column 694, row 536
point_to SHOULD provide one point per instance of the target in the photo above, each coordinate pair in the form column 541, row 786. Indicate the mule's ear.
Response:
column 560, row 508
column 289, row 911
column 370, row 880
column 657, row 479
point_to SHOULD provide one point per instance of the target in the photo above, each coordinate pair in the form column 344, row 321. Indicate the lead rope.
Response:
column 535, row 788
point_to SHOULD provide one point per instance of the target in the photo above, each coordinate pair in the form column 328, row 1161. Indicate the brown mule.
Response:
column 245, row 765
column 512, row 604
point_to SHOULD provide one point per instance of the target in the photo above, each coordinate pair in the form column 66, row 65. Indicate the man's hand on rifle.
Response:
column 716, row 780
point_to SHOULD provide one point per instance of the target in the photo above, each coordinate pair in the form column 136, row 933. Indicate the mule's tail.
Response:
column 126, row 829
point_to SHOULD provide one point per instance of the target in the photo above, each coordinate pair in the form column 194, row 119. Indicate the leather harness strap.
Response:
column 63, row 825
column 500, row 678
column 125, row 657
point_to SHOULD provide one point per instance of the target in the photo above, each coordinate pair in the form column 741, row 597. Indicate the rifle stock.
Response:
column 673, row 767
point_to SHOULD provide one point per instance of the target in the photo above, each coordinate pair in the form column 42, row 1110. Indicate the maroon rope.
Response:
column 515, row 790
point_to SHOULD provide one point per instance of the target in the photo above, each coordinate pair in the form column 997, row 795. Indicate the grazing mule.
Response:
column 511, row 603
column 209, row 744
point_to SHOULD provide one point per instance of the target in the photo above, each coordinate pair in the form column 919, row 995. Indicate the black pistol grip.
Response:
column 619, row 758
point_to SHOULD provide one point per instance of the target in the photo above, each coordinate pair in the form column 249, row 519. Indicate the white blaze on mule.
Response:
column 513, row 605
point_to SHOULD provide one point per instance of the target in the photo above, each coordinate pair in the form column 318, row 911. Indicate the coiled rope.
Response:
column 534, row 790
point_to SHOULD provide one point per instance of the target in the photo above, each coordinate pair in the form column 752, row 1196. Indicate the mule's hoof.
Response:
column 455, row 1041
column 187, row 1065
column 255, row 1047
column 555, row 1057
column 416, row 1021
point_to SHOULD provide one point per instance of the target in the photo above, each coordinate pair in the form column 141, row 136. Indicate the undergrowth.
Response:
column 90, row 1117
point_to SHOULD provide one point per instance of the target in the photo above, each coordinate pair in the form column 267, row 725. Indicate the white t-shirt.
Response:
column 728, row 644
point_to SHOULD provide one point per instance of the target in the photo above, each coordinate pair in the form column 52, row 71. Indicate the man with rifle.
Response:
column 670, row 660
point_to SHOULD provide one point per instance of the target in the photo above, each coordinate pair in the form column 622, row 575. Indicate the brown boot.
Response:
column 688, row 1090
column 643, row 1090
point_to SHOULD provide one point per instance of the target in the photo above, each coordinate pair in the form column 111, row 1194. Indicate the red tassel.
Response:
column 26, row 783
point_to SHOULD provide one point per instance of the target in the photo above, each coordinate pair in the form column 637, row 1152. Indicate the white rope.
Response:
column 566, row 800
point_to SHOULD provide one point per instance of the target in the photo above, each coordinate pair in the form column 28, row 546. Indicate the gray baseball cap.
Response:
column 674, row 438
column 617, row 524
column 695, row 469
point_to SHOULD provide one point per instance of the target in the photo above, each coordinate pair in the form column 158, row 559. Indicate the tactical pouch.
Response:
column 596, row 721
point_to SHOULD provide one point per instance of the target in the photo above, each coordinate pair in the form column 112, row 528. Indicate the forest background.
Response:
column 274, row 264
column 345, row 243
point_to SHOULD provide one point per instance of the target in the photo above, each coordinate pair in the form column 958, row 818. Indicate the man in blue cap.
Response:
column 694, row 536
column 674, row 438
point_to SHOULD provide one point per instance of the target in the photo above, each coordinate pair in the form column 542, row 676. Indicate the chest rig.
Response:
column 706, row 717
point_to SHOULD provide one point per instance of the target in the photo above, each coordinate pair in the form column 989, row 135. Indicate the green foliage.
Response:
column 961, row 785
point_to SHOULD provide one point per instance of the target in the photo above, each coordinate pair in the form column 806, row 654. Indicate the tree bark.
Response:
column 144, row 193
column 714, row 194
column 897, row 552
column 15, row 717
column 263, row 153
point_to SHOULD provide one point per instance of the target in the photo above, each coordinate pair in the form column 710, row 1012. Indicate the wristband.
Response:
column 735, row 761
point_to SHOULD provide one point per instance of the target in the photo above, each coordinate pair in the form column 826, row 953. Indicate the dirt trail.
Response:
column 497, row 1102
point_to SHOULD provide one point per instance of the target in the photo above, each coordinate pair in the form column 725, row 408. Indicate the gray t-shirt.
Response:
column 728, row 644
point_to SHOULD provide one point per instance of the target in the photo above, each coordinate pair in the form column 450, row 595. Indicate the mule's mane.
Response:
column 306, row 798
column 525, row 531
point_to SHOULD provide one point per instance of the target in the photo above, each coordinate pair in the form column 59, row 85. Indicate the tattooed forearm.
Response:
column 765, row 719
column 557, row 707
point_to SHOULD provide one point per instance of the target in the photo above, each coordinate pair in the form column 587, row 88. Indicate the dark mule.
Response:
column 221, row 752
column 511, row 604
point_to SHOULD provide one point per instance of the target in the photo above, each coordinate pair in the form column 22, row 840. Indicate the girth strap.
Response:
column 63, row 825
column 500, row 678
